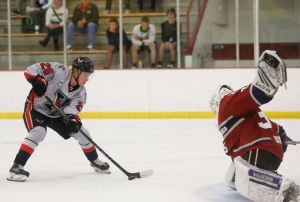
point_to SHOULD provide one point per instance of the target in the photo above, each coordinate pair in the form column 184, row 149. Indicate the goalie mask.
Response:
column 216, row 98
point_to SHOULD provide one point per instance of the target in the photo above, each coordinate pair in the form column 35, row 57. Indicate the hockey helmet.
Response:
column 84, row 64
column 218, row 95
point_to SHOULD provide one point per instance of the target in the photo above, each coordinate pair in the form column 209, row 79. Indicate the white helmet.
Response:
column 218, row 95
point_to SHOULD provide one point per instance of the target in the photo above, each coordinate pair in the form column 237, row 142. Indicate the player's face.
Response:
column 57, row 3
column 85, row 2
column 171, row 16
column 113, row 26
column 83, row 78
column 145, row 26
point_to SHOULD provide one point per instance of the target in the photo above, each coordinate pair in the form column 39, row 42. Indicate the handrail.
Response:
column 192, row 35
column 109, row 15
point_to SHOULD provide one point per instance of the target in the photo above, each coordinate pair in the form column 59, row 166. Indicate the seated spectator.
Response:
column 113, row 37
column 85, row 19
column 38, row 13
column 108, row 6
column 20, row 7
column 143, row 37
column 141, row 5
column 54, row 23
column 168, row 38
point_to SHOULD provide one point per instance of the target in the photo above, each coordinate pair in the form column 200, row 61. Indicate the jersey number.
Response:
column 266, row 124
column 47, row 69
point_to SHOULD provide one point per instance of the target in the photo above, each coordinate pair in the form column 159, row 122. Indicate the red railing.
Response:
column 194, row 16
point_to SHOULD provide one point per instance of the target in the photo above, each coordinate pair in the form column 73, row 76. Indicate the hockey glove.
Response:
column 271, row 73
column 74, row 124
column 39, row 85
column 284, row 138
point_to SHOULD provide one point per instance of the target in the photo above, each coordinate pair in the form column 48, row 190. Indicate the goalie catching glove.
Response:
column 39, row 85
column 271, row 73
column 74, row 123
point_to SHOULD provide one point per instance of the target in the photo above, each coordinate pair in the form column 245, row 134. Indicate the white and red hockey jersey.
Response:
column 244, row 126
column 58, row 78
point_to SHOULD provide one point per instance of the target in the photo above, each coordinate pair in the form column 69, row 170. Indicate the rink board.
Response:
column 154, row 94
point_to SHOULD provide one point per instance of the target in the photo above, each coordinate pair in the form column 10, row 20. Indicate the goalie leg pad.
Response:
column 262, row 185
column 271, row 73
column 230, row 176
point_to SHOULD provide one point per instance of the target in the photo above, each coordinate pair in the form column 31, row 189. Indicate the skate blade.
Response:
column 16, row 178
column 97, row 170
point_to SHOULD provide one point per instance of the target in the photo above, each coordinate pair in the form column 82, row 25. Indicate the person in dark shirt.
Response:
column 168, row 38
column 152, row 5
column 113, row 36
column 108, row 6
column 85, row 19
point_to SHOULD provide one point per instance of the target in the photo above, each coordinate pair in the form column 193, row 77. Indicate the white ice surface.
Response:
column 186, row 156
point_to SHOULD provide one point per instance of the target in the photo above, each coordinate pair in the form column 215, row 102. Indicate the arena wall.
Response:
column 155, row 93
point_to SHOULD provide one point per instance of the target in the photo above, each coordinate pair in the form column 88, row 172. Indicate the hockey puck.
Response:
column 131, row 177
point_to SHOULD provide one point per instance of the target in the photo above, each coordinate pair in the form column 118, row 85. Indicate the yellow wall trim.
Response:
column 154, row 115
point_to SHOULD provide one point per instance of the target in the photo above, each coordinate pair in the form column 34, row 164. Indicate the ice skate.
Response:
column 100, row 166
column 17, row 173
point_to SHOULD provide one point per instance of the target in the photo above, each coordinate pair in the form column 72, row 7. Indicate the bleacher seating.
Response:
column 27, row 50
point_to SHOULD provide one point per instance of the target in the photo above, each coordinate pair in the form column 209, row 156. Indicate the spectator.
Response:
column 20, row 7
column 85, row 19
column 152, row 5
column 38, row 13
column 113, row 37
column 168, row 38
column 108, row 6
column 143, row 38
column 54, row 23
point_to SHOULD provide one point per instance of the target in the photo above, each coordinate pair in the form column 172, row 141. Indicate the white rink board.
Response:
column 154, row 90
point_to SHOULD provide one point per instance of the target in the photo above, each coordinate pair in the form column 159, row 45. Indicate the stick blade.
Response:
column 292, row 142
column 146, row 173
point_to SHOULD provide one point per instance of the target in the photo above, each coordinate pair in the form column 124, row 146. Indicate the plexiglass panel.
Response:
column 280, row 29
column 209, row 31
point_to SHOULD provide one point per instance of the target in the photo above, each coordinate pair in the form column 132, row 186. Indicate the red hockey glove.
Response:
column 74, row 124
column 39, row 85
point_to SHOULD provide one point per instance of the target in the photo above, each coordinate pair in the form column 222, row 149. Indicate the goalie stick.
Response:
column 292, row 142
column 130, row 175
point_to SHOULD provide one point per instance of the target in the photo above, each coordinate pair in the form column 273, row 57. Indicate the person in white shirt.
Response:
column 143, row 38
column 38, row 13
column 54, row 23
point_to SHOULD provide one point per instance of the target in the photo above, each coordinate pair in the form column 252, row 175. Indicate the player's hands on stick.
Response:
column 39, row 85
column 74, row 123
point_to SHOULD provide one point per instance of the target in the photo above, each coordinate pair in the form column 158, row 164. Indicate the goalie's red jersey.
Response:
column 245, row 127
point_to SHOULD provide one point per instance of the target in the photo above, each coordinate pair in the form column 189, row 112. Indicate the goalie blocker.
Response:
column 262, row 185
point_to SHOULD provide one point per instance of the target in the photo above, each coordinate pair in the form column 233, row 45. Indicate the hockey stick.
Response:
column 292, row 142
column 130, row 176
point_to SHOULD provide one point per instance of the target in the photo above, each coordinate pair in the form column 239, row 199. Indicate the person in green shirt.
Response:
column 85, row 19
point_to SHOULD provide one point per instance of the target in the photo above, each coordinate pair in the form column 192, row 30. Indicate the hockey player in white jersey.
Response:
column 66, row 89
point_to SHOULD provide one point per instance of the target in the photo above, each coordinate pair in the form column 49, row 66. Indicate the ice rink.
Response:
column 186, row 155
